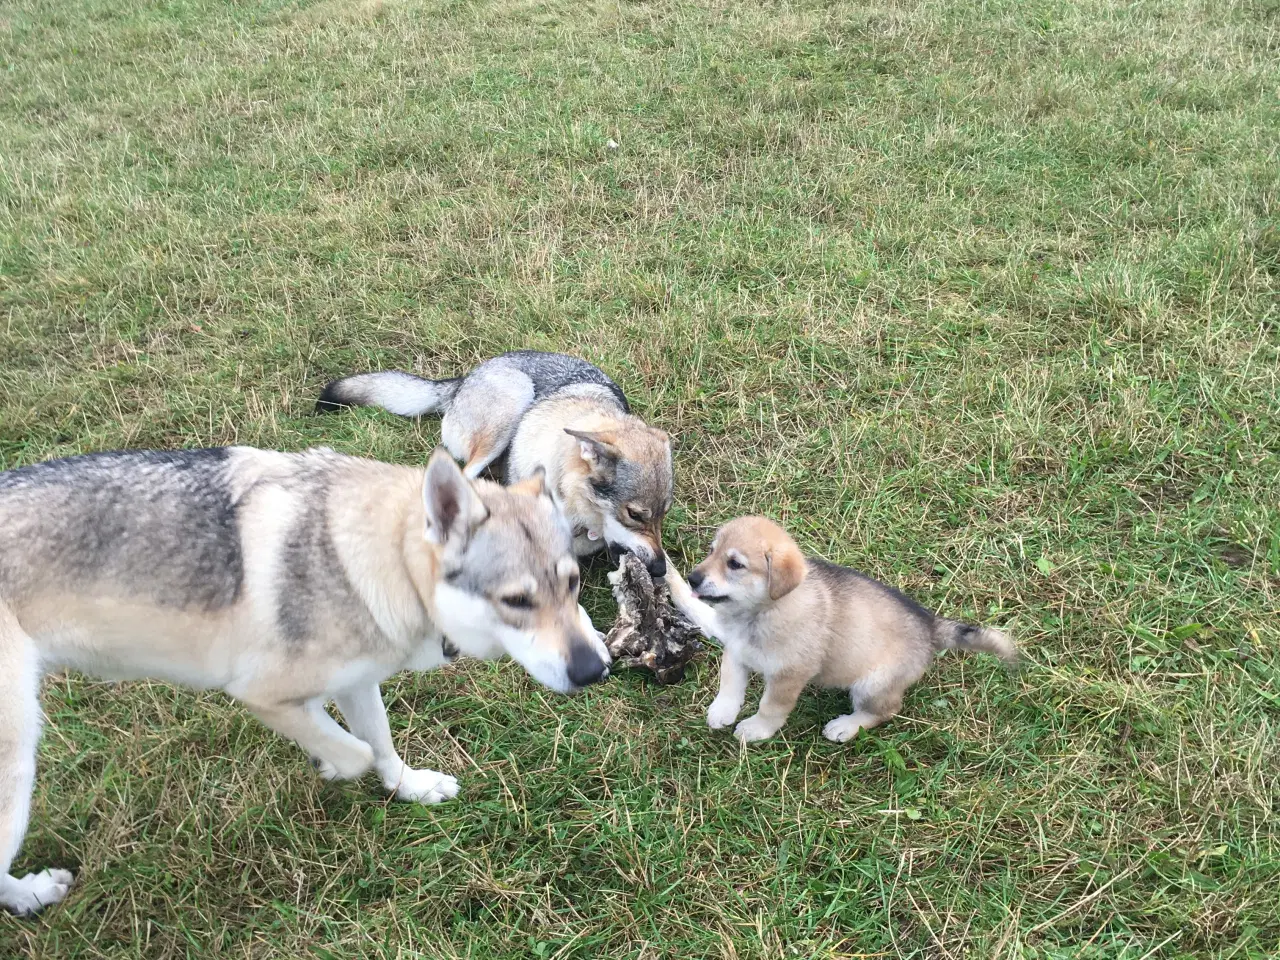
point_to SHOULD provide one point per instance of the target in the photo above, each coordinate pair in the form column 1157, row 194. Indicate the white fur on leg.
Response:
column 596, row 638
column 355, row 764
column 20, row 721
column 34, row 892
column 422, row 786
column 756, row 727
column 846, row 727
column 734, row 677
column 723, row 711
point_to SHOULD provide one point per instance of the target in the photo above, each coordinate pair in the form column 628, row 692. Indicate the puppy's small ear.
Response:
column 534, row 486
column 452, row 505
column 785, row 565
column 596, row 448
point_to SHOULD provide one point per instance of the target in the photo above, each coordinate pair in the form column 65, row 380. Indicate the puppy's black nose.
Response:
column 695, row 578
column 658, row 566
column 585, row 665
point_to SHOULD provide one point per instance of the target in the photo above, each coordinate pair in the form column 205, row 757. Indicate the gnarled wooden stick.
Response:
column 649, row 633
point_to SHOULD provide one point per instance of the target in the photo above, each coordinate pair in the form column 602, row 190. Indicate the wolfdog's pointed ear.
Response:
column 785, row 564
column 453, row 506
column 535, row 486
column 596, row 447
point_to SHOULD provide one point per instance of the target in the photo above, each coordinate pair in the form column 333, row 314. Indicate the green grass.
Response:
column 983, row 299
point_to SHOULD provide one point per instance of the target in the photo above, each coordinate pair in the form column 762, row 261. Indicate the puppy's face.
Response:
column 753, row 563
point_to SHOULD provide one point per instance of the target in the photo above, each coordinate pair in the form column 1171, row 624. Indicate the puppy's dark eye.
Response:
column 573, row 583
column 637, row 516
column 519, row 601
column 733, row 563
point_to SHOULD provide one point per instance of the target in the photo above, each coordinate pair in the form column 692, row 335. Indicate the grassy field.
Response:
column 983, row 299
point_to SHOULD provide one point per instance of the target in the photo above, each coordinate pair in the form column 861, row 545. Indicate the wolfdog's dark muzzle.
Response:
column 585, row 665
column 657, row 567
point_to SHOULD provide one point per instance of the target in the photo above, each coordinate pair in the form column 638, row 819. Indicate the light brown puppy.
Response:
column 798, row 620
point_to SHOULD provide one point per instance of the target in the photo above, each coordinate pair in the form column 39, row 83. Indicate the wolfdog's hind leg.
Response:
column 483, row 418
column 367, row 718
column 336, row 754
column 19, row 733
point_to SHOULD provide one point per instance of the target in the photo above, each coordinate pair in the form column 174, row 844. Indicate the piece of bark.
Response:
column 649, row 634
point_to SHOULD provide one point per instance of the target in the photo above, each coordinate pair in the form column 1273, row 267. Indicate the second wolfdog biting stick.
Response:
column 799, row 621
column 285, row 580
column 608, row 470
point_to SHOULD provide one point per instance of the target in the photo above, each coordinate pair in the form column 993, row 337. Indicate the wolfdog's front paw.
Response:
column 595, row 636
column 351, row 765
column 426, row 786
column 755, row 728
column 32, row 893
column 721, row 713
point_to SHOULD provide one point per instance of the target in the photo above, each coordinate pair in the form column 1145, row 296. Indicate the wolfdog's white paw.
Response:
column 595, row 636
column 721, row 713
column 35, row 891
column 844, row 728
column 754, row 728
column 354, row 766
column 425, row 786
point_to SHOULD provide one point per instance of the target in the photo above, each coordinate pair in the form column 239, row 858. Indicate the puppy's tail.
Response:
column 401, row 393
column 954, row 635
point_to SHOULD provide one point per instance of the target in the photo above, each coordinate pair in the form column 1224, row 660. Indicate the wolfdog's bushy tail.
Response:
column 401, row 393
column 954, row 635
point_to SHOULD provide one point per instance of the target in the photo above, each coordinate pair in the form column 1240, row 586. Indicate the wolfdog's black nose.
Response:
column 585, row 665
column 658, row 566
column 695, row 578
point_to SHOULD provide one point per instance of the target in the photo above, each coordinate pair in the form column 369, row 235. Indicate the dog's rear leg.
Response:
column 19, row 734
column 367, row 718
column 337, row 755
column 875, row 700
column 483, row 418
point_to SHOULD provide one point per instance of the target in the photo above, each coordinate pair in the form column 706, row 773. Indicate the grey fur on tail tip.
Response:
column 956, row 635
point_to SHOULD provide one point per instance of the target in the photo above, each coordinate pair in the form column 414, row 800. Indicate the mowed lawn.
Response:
column 983, row 299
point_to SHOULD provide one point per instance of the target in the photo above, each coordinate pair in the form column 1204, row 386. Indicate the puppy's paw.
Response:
column 425, row 786
column 32, row 893
column 721, row 713
column 755, row 728
column 846, row 727
column 842, row 728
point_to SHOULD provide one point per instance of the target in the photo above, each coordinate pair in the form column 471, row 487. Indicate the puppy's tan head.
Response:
column 753, row 563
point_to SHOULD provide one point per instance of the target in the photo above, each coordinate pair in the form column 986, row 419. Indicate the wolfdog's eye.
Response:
column 519, row 601
column 637, row 516
column 733, row 563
